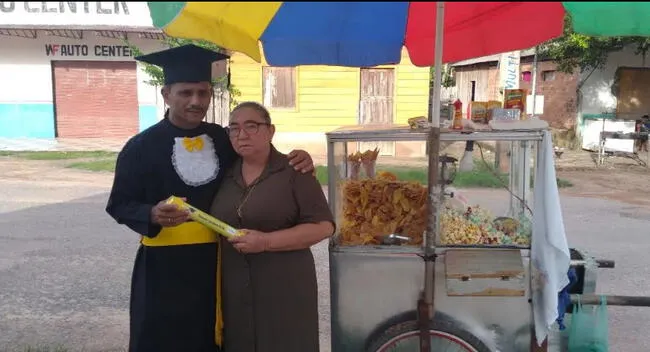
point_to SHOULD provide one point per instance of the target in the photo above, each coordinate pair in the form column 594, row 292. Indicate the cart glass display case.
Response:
column 377, row 190
column 378, row 187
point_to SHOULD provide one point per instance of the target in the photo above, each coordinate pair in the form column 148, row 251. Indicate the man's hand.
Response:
column 301, row 161
column 250, row 242
column 168, row 215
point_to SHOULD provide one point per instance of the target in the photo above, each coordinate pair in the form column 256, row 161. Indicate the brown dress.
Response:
column 270, row 299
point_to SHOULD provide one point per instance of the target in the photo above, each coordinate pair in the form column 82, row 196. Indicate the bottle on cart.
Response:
column 457, row 123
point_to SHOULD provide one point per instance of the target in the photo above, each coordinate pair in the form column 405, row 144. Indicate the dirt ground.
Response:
column 620, row 178
column 49, row 171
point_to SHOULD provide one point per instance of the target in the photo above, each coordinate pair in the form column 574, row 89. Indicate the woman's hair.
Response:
column 255, row 106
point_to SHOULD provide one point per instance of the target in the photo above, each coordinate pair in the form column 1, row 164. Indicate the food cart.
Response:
column 479, row 274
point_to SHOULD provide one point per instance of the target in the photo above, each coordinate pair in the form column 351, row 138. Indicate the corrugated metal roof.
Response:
column 78, row 32
column 490, row 58
column 136, row 29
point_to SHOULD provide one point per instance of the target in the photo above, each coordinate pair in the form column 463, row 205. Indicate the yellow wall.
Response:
column 328, row 96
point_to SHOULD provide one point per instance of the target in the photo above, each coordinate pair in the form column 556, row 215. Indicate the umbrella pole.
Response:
column 534, row 83
column 426, row 309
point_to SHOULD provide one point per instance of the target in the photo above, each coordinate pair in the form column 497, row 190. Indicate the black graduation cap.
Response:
column 187, row 63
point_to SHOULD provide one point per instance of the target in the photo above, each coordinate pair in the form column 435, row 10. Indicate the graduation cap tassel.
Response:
column 228, row 80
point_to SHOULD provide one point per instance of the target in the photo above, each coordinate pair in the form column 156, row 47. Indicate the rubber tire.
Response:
column 437, row 325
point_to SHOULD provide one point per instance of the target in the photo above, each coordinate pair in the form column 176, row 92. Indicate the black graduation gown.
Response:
column 173, row 288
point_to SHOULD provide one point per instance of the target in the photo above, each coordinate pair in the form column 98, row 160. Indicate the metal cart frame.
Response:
column 353, row 267
column 376, row 289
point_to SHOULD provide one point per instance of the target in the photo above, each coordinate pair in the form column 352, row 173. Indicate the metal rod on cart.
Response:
column 426, row 307
column 432, row 223
column 433, row 144
column 601, row 263
column 630, row 301
column 534, row 90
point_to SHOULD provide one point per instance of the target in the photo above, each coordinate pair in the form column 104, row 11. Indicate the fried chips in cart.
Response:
column 380, row 206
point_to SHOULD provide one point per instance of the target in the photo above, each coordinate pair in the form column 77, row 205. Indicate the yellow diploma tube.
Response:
column 205, row 219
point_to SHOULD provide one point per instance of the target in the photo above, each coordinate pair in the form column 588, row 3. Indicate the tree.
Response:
column 448, row 79
column 574, row 51
column 156, row 74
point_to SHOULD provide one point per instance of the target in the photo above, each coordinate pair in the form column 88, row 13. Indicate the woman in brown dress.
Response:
column 269, row 289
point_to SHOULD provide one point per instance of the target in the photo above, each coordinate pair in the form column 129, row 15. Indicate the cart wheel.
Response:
column 445, row 337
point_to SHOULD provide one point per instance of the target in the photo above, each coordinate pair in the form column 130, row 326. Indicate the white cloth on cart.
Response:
column 550, row 256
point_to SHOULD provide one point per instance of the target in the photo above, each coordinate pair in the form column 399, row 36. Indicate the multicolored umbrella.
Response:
column 610, row 19
column 360, row 34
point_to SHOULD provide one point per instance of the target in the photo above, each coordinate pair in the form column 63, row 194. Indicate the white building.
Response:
column 66, row 72
column 603, row 110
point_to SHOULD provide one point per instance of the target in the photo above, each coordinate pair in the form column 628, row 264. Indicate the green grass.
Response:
column 105, row 165
column 101, row 161
column 480, row 177
column 561, row 183
column 55, row 155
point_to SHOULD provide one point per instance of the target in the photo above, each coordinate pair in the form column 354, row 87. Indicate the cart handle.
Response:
column 630, row 301
column 602, row 263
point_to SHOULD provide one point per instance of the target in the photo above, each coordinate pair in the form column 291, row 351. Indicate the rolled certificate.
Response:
column 205, row 219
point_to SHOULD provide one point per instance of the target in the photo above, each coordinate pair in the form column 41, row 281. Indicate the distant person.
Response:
column 173, row 290
column 643, row 127
column 270, row 292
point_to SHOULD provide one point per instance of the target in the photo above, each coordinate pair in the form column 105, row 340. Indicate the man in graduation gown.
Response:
column 173, row 289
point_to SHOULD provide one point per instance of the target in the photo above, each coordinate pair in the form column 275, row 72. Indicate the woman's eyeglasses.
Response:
column 249, row 127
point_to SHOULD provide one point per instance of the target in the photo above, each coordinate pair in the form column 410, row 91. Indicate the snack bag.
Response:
column 478, row 111
column 418, row 122
column 205, row 219
column 457, row 122
column 491, row 105
column 515, row 99
column 494, row 104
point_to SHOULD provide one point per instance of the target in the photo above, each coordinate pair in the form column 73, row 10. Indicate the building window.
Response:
column 279, row 87
column 548, row 76
column 526, row 76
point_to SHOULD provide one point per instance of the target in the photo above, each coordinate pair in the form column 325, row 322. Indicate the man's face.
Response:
column 188, row 102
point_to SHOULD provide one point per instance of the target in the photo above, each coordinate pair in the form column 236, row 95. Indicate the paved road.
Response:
column 65, row 266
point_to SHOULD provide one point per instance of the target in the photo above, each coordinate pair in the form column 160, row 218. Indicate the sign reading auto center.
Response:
column 84, row 50
column 80, row 15
column 75, row 13
column 67, row 78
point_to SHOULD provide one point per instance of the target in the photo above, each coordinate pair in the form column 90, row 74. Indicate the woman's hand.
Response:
column 251, row 241
column 301, row 161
